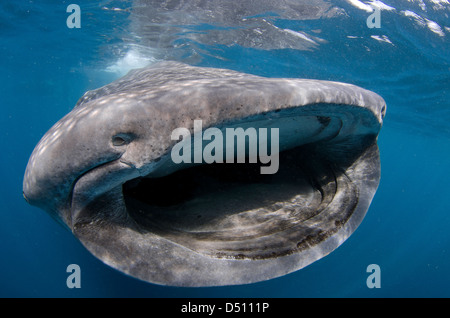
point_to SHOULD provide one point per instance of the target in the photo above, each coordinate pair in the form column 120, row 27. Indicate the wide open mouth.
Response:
column 233, row 211
column 187, row 227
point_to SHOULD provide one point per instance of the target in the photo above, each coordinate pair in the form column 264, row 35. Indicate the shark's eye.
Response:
column 121, row 139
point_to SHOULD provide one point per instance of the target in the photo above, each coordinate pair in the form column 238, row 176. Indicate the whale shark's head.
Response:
column 106, row 171
column 87, row 141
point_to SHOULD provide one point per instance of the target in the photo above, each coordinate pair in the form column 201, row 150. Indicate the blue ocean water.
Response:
column 47, row 66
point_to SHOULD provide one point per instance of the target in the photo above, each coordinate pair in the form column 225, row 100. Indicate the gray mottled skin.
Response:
column 244, row 232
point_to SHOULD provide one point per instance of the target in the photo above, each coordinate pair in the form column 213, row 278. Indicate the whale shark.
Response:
column 105, row 172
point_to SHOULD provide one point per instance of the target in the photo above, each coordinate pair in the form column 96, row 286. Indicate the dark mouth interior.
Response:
column 215, row 185
column 233, row 211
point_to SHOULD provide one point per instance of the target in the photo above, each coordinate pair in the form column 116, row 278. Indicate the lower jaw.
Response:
column 213, row 214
